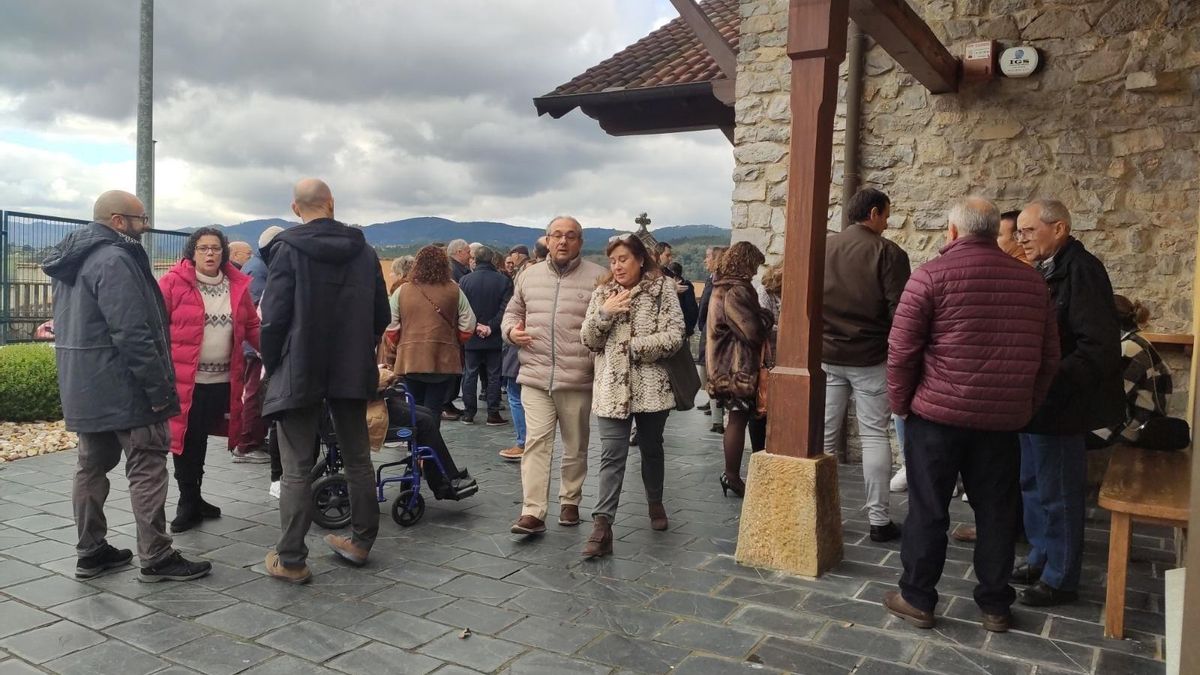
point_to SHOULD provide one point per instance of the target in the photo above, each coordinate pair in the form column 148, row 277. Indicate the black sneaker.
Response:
column 882, row 533
column 175, row 568
column 467, row 418
column 705, row 407
column 105, row 559
column 717, row 428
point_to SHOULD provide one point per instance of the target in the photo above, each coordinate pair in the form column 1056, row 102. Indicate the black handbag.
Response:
column 1164, row 433
column 681, row 371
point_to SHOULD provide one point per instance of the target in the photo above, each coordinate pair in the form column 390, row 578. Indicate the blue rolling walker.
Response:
column 331, row 490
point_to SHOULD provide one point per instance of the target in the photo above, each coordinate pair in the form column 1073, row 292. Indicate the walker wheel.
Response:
column 331, row 501
column 402, row 514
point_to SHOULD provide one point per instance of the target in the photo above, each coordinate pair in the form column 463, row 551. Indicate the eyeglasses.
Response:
column 129, row 216
column 620, row 237
column 1023, row 235
column 209, row 249
column 569, row 236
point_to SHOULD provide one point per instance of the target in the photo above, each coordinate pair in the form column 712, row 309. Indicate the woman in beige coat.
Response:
column 633, row 322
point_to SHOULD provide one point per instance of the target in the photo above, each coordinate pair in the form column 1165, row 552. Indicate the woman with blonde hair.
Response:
column 736, row 329
column 401, row 268
column 633, row 322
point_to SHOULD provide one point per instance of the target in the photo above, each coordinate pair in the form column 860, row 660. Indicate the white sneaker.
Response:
column 274, row 491
column 900, row 481
column 965, row 497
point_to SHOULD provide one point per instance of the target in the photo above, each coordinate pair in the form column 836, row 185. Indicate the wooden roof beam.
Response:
column 709, row 36
column 910, row 41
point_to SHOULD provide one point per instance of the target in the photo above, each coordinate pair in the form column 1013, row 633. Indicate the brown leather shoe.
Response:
column 292, row 575
column 568, row 515
column 658, row 517
column 346, row 550
column 599, row 543
column 528, row 525
column 513, row 454
column 964, row 533
column 896, row 604
column 997, row 623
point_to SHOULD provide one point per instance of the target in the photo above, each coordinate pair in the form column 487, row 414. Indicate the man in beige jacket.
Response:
column 543, row 321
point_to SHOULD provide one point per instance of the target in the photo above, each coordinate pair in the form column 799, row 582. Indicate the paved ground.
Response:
column 667, row 602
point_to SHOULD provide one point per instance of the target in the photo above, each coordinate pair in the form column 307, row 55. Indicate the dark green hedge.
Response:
column 28, row 384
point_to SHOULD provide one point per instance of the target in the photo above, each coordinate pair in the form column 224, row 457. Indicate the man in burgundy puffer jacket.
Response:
column 972, row 352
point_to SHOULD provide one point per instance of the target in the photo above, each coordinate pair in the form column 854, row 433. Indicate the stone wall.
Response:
column 1110, row 124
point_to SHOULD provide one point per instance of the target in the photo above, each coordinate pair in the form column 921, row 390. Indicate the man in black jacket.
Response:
column 683, row 287
column 488, row 291
column 117, row 384
column 323, row 311
column 1086, row 394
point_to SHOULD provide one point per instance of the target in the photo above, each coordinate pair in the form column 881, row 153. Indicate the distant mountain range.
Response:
column 413, row 231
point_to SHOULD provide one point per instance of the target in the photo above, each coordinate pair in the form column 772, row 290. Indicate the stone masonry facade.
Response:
column 1110, row 124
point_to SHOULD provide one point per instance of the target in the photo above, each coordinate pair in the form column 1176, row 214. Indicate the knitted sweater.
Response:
column 217, row 346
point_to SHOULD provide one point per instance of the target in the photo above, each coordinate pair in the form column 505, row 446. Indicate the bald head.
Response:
column 312, row 199
column 122, row 212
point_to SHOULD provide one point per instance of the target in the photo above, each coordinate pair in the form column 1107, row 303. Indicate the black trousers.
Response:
column 434, row 392
column 482, row 364
column 428, row 433
column 210, row 405
column 990, row 465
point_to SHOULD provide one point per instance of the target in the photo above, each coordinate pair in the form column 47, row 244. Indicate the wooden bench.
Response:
column 1144, row 486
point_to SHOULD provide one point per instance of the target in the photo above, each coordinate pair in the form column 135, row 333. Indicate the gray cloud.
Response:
column 407, row 108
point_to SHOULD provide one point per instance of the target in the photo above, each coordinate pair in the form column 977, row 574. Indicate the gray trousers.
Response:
column 297, row 429
column 145, row 451
column 614, row 451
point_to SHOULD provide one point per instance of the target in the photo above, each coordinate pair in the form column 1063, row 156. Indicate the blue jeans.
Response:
column 516, row 411
column 1053, row 478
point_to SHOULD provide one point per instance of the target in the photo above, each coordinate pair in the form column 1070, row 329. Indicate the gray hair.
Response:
column 572, row 219
column 403, row 265
column 1052, row 211
column 483, row 254
column 455, row 246
column 976, row 216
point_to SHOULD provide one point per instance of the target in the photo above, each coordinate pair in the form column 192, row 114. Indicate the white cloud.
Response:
column 407, row 109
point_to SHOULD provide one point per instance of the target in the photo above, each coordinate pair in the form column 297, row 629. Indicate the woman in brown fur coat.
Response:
column 737, row 327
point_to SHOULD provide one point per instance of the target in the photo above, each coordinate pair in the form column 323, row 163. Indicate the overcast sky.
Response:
column 405, row 108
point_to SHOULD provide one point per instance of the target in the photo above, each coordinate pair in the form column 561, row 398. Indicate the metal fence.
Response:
column 25, row 240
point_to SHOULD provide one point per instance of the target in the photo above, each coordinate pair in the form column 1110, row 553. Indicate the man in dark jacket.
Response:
column 972, row 350
column 488, row 291
column 1086, row 394
column 865, row 274
column 460, row 258
column 323, row 311
column 117, row 384
column 711, row 257
column 683, row 287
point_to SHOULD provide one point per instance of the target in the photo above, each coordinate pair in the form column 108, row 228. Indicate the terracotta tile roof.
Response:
column 671, row 55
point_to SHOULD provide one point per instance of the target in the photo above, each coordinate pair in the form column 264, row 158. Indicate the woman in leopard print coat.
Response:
column 633, row 322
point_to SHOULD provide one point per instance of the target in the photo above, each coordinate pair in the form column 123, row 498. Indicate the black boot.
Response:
column 207, row 511
column 187, row 511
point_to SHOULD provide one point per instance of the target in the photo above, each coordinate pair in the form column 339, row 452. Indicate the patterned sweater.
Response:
column 630, row 347
column 218, row 329
column 1147, row 383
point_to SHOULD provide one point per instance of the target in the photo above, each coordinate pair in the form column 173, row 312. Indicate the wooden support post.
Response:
column 1118, row 567
column 910, row 41
column 791, row 517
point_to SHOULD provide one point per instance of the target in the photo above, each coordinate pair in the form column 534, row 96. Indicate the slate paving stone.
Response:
column 380, row 658
column 845, row 609
column 18, row 667
column 1112, row 663
column 799, row 657
column 270, row 593
column 399, row 629
column 14, row 572
column 550, row 635
column 245, row 620
column 101, row 610
column 157, row 633
column 109, row 657
column 614, row 568
column 1025, row 619
column 12, row 538
column 419, row 574
column 16, row 618
column 761, row 592
column 1065, row 655
column 224, row 576
column 952, row 631
column 540, row 602
column 1092, row 634
column 312, row 641
column 188, row 601
column 615, row 591
column 481, row 589
column 480, row 652
column 706, row 637
column 333, row 611
column 239, row 554
column 873, row 667
column 543, row 663
column 693, row 604
column 550, row 578
column 631, row 621
column 958, row 660
column 288, row 665
column 868, row 642
column 50, row 642
column 642, row 656
column 411, row 599
column 682, row 579
column 485, row 565
column 478, row 617
column 219, row 655
column 39, row 522
column 39, row 551
column 711, row 665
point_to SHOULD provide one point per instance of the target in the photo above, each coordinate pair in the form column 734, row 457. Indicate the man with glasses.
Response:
column 1086, row 393
column 117, row 384
column 543, row 321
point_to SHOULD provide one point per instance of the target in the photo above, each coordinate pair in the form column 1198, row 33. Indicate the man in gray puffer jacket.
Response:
column 117, row 384
column 543, row 321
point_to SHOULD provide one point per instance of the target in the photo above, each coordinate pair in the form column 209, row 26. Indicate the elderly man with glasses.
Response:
column 117, row 384
column 543, row 320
